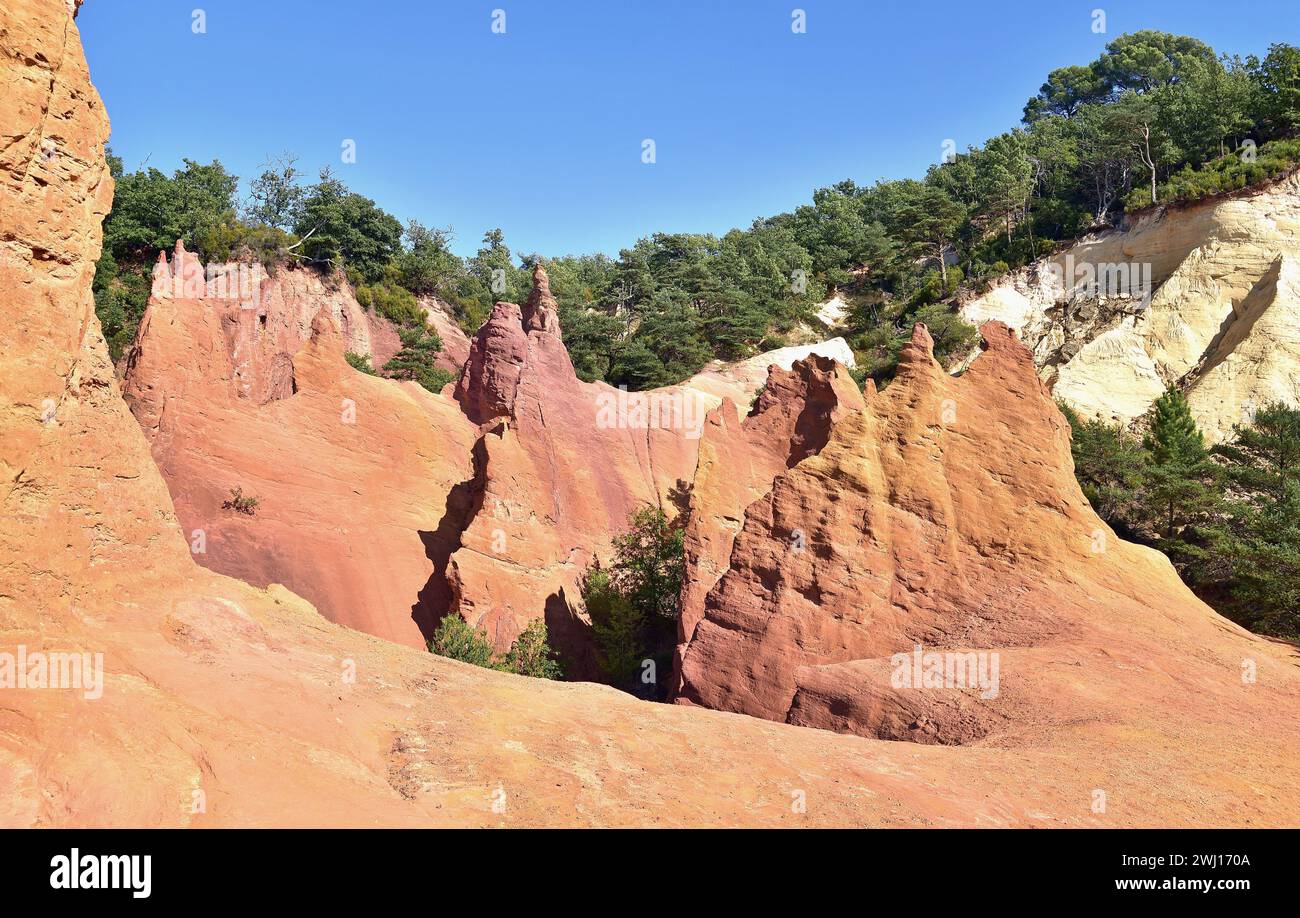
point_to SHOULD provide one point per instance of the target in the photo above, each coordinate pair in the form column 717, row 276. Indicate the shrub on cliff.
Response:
column 360, row 362
column 232, row 240
column 388, row 298
column 121, row 292
column 529, row 655
column 458, row 639
column 240, row 502
column 635, row 603
column 1244, row 168
column 415, row 361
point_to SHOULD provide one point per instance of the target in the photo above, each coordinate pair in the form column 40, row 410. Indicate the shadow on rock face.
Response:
column 463, row 501
column 573, row 639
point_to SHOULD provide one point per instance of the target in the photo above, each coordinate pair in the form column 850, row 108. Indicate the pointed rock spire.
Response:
column 541, row 312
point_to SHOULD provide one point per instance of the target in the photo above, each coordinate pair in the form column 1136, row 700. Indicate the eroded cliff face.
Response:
column 738, row 460
column 76, row 479
column 1220, row 322
column 351, row 473
column 384, row 505
column 223, row 704
column 941, row 522
column 563, row 463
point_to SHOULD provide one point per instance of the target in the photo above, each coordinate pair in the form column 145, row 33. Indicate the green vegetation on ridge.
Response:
column 1156, row 118
column 1228, row 517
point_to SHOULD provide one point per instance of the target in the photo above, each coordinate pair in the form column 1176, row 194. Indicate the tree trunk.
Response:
column 1151, row 164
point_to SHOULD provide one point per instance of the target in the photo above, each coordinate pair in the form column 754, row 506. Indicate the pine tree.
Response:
column 1262, row 538
column 1174, row 437
column 1111, row 467
column 1183, row 485
column 619, row 628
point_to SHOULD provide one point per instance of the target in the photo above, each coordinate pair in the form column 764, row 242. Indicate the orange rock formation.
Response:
column 224, row 704
column 944, row 515
column 738, row 460
column 351, row 472
column 561, row 465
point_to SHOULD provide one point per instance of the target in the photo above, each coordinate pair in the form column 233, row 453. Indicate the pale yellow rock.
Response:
column 1217, row 322
column 1256, row 362
column 740, row 381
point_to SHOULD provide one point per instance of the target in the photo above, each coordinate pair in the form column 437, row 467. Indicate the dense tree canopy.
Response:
column 340, row 227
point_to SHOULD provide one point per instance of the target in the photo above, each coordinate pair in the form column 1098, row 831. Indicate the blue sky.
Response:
column 539, row 130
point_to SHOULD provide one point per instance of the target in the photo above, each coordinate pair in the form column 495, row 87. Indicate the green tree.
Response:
column 427, row 266
column 1183, row 486
column 927, row 219
column 458, row 639
column 1174, row 438
column 1261, row 538
column 1278, row 80
column 667, row 346
column 1066, row 90
column 1211, row 105
column 635, row 603
column 494, row 269
column 953, row 336
column 416, row 359
column 530, row 655
column 1111, row 467
column 1263, row 457
column 649, row 562
column 1107, row 159
column 151, row 210
column 275, row 196
column 1004, row 178
column 620, row 629
column 341, row 228
column 1148, row 60
column 1135, row 121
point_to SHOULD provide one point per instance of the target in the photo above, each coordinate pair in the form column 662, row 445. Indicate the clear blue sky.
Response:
column 539, row 130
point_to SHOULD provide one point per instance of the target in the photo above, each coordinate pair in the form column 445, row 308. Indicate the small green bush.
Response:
column 529, row 655
column 1223, row 174
column 232, row 240
column 360, row 362
column 240, row 503
column 386, row 298
column 459, row 640
column 416, row 360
